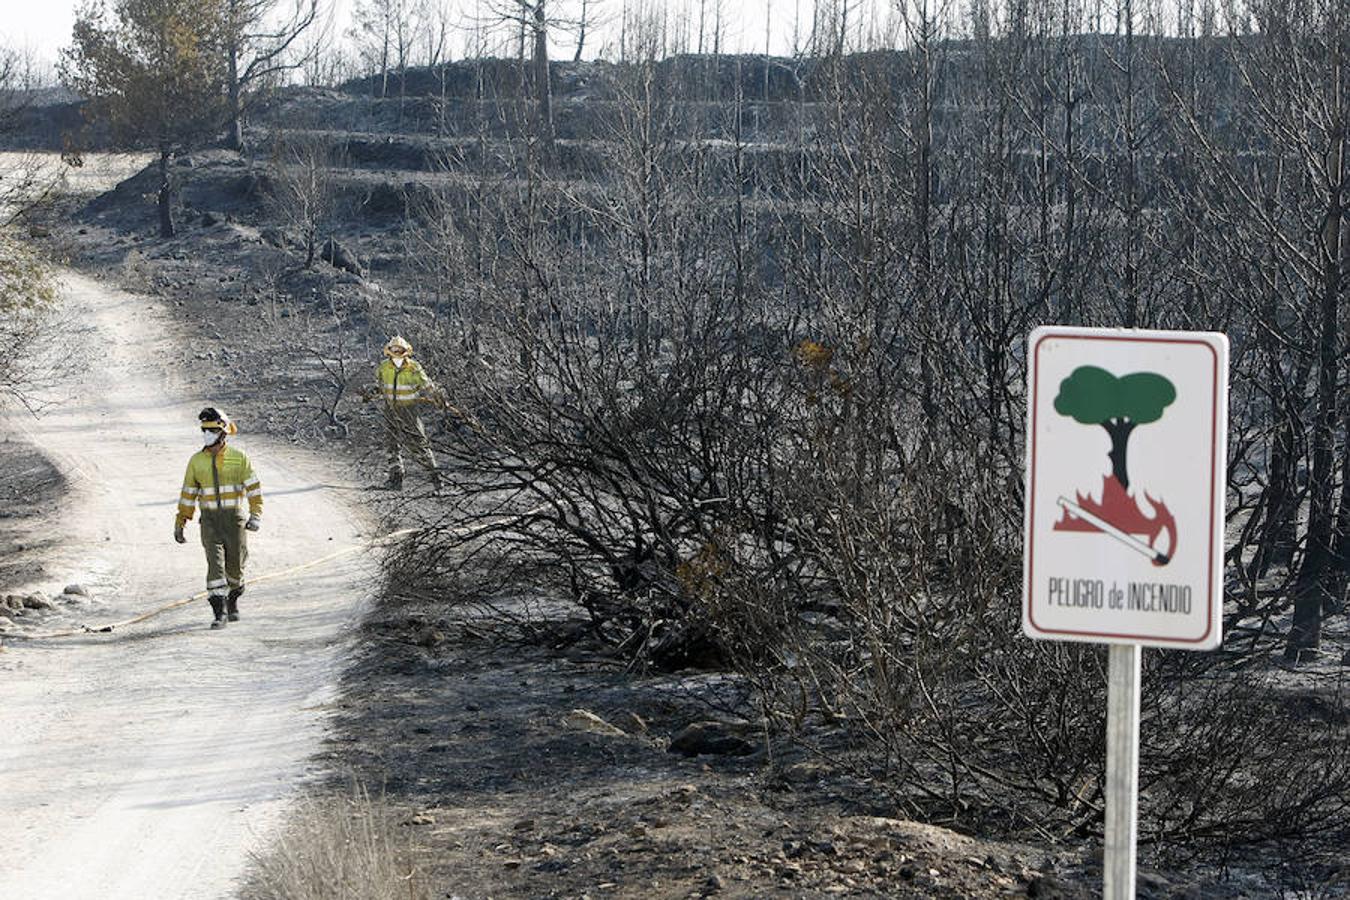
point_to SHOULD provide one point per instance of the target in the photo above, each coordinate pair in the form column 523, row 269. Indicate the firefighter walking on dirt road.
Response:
column 402, row 384
column 219, row 479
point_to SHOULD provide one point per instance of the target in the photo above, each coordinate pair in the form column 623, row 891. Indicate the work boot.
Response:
column 218, row 610
column 232, row 604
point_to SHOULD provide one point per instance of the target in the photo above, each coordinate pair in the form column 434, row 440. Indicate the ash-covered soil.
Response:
column 529, row 772
column 524, row 771
column 31, row 488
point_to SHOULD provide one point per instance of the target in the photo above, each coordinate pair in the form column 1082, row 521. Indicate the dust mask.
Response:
column 398, row 361
column 211, row 436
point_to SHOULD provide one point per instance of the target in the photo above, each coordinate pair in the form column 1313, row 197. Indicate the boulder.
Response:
column 274, row 237
column 36, row 601
column 589, row 722
column 77, row 590
column 805, row 772
column 340, row 257
column 711, row 738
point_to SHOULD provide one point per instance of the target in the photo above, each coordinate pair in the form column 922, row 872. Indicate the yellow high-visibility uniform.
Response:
column 218, row 482
column 402, row 386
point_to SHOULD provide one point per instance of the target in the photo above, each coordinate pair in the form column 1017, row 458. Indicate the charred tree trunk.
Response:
column 1279, row 531
column 1341, row 538
column 922, row 223
column 543, row 88
column 1314, row 589
column 165, row 195
column 234, row 133
column 581, row 30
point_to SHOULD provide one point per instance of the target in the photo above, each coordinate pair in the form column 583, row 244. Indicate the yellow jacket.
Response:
column 403, row 386
column 219, row 479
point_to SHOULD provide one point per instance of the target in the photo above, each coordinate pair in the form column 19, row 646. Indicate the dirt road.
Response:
column 150, row 762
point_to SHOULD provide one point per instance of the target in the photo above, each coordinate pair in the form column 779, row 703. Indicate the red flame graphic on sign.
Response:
column 1121, row 510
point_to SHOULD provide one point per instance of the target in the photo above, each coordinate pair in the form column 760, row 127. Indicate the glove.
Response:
column 178, row 534
column 253, row 523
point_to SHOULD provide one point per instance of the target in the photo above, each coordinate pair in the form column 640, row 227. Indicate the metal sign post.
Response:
column 1127, row 437
column 1122, row 772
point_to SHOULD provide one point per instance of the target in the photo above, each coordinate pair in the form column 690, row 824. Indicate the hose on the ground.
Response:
column 270, row 576
column 200, row 595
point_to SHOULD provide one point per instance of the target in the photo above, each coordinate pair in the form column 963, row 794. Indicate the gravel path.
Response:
column 150, row 762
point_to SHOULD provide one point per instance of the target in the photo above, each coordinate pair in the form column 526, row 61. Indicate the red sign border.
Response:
column 1027, row 605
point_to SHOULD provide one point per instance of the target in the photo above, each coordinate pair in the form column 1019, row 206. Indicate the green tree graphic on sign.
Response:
column 1094, row 396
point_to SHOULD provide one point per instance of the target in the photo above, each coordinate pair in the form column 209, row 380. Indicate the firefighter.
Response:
column 219, row 479
column 402, row 384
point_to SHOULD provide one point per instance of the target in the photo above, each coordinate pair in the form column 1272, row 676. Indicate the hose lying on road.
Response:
column 270, row 576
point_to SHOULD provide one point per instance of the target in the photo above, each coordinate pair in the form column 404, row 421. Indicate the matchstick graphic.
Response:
column 1128, row 540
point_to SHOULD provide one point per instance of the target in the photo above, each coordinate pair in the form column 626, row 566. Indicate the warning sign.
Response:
column 1126, row 450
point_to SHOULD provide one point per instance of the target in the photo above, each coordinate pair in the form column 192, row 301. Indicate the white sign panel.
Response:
column 1126, row 451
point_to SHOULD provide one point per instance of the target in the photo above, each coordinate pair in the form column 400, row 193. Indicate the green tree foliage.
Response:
column 1094, row 396
column 156, row 72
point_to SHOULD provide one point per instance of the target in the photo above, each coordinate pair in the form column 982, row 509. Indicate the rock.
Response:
column 589, row 722
column 636, row 724
column 76, row 590
column 712, row 738
column 209, row 218
column 1154, row 884
column 274, row 237
column 422, row 818
column 36, row 601
column 805, row 772
column 428, row 637
column 340, row 257
column 1048, row 887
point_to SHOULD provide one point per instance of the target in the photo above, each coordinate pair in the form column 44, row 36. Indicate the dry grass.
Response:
column 339, row 848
